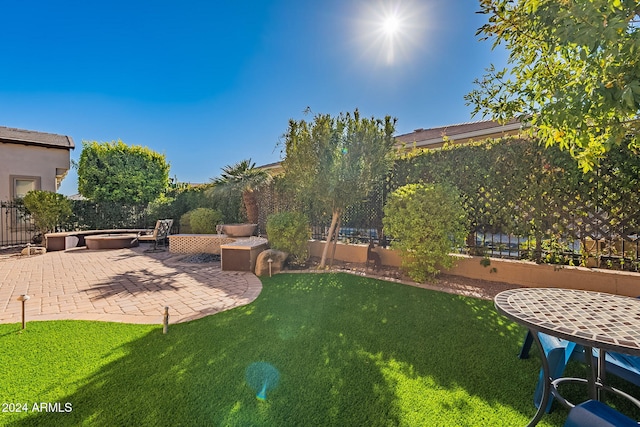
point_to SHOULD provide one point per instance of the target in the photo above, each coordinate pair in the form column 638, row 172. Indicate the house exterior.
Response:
column 459, row 133
column 29, row 160
column 32, row 160
column 436, row 137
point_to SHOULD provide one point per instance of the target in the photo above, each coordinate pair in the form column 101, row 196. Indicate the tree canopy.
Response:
column 337, row 161
column 114, row 171
column 573, row 71
column 242, row 178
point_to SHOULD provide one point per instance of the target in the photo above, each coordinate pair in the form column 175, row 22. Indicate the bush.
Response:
column 185, row 223
column 204, row 220
column 290, row 232
column 427, row 221
column 179, row 199
column 47, row 209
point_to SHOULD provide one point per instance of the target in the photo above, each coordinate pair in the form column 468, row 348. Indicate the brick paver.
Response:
column 123, row 285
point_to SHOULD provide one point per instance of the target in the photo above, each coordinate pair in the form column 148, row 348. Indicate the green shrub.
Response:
column 290, row 232
column 426, row 222
column 185, row 223
column 179, row 199
column 204, row 220
column 47, row 209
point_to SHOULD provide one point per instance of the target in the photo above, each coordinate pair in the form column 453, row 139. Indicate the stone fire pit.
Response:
column 111, row 241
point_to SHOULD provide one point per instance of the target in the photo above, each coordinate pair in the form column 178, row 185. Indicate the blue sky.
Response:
column 210, row 83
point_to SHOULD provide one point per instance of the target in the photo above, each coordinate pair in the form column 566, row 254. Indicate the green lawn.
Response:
column 350, row 351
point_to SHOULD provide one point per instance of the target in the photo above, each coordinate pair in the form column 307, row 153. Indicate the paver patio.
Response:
column 122, row 285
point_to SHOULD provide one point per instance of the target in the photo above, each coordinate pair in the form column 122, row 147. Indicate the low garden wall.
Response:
column 521, row 273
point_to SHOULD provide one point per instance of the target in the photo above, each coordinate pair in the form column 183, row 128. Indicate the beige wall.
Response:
column 31, row 161
column 521, row 273
column 530, row 274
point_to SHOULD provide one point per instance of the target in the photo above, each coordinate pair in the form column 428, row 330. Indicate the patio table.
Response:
column 594, row 320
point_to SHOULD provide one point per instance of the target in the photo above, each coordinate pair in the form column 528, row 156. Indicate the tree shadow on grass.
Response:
column 349, row 350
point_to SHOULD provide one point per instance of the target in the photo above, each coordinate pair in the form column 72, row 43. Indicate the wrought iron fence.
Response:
column 16, row 227
column 617, row 249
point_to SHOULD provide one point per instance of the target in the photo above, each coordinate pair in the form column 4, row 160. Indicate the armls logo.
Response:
column 52, row 407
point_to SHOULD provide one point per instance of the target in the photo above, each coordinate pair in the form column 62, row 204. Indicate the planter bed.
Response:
column 515, row 272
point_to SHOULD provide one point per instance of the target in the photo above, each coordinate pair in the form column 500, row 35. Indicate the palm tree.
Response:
column 245, row 178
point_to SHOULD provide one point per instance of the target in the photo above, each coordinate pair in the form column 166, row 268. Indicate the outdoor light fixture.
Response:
column 24, row 299
column 270, row 261
column 165, row 324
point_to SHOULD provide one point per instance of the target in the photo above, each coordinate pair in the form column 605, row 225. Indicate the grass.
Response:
column 349, row 351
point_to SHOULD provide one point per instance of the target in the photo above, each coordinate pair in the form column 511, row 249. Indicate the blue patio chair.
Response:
column 621, row 365
column 594, row 413
column 558, row 352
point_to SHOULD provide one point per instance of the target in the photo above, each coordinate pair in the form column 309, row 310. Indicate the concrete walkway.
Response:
column 122, row 285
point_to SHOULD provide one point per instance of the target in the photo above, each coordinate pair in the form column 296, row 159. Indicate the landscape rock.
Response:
column 33, row 250
column 262, row 262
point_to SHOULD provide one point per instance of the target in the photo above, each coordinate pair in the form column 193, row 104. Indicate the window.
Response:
column 21, row 185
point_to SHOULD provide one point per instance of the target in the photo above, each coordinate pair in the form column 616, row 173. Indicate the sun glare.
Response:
column 390, row 25
column 389, row 31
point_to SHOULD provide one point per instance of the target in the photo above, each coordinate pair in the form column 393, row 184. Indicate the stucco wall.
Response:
column 26, row 160
column 534, row 275
column 521, row 273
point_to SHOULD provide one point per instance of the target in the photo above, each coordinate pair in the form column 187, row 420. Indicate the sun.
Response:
column 390, row 25
column 390, row 30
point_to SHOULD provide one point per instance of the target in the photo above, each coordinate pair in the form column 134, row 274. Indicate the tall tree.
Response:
column 573, row 71
column 114, row 171
column 336, row 161
column 245, row 178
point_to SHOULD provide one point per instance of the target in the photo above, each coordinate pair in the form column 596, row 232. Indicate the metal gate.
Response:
column 16, row 227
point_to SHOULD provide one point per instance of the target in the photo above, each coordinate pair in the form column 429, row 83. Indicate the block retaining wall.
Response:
column 521, row 273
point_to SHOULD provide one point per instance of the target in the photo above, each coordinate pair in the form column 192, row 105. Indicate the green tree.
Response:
column 243, row 178
column 336, row 161
column 573, row 71
column 426, row 221
column 114, row 171
column 47, row 209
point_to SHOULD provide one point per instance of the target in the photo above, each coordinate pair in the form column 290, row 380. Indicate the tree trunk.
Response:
column 251, row 206
column 334, row 222
column 336, row 234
